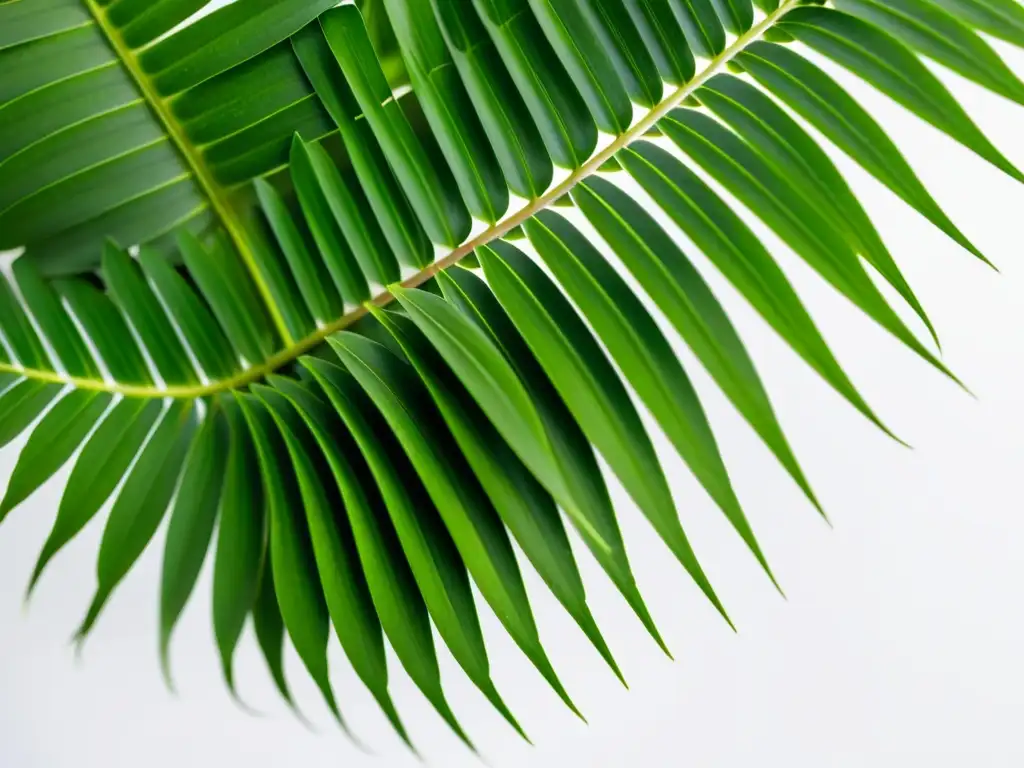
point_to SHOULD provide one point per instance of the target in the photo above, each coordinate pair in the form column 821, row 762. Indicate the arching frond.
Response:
column 337, row 291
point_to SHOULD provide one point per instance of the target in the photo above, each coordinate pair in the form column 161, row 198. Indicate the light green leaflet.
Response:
column 734, row 250
column 781, row 141
column 938, row 35
column 796, row 219
column 820, row 100
column 20, row 404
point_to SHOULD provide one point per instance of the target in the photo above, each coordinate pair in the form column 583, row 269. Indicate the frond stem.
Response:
column 296, row 348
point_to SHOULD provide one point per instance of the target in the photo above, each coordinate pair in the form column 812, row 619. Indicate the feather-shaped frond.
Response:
column 338, row 291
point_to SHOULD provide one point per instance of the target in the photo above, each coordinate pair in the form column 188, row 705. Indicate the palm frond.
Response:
column 332, row 286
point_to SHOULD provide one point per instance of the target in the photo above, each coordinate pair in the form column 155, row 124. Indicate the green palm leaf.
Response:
column 266, row 286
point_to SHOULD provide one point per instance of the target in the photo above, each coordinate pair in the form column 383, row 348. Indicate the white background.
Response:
column 899, row 645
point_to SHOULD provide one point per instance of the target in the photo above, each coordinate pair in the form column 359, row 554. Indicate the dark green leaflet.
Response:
column 490, row 378
column 52, row 442
column 100, row 466
column 568, row 28
column 20, row 23
column 443, row 215
column 43, row 61
column 34, row 116
column 584, row 483
column 346, row 594
column 396, row 598
column 504, row 116
column 232, row 298
column 20, row 404
column 296, row 585
column 449, row 110
column 661, row 32
column 400, row 225
column 105, row 327
column 54, row 322
column 310, row 273
column 131, row 291
column 704, row 30
column 277, row 275
column 592, row 390
column 935, row 33
column 892, row 68
column 525, row 508
column 269, row 627
column 643, row 355
column 353, row 215
column 25, row 343
column 622, row 41
column 428, row 547
column 814, row 95
column 222, row 106
column 566, row 125
column 143, row 21
column 737, row 15
column 141, row 504
column 191, row 524
column 678, row 289
column 76, row 149
column 317, row 210
column 473, row 522
column 241, row 539
column 224, row 38
column 204, row 335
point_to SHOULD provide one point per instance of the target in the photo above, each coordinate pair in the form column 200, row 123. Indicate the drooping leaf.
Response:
column 590, row 387
column 427, row 544
column 191, row 524
column 295, row 585
column 892, row 68
column 141, row 503
column 104, row 460
column 472, row 521
column 54, row 439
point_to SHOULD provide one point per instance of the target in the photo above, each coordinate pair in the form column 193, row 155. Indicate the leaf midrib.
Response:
column 295, row 348
column 216, row 194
